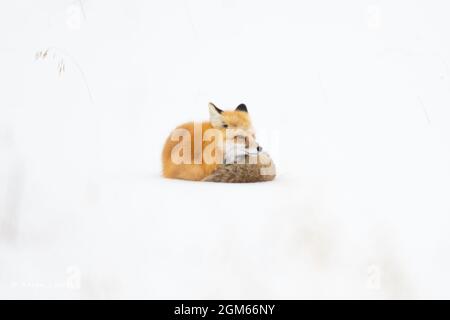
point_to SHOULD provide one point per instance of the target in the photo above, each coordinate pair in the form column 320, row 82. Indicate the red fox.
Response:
column 196, row 162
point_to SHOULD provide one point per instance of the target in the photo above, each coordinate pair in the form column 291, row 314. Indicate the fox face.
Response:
column 237, row 118
column 239, row 143
column 237, row 132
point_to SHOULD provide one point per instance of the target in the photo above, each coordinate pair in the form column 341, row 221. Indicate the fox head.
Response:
column 237, row 130
column 237, row 118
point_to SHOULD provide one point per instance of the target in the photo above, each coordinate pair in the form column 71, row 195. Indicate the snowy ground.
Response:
column 352, row 99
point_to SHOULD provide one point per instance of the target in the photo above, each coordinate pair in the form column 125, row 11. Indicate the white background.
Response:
column 351, row 98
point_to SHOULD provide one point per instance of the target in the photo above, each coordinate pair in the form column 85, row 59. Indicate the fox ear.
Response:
column 215, row 115
column 242, row 107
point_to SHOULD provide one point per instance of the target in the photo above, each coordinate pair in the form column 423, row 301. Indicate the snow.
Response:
column 351, row 99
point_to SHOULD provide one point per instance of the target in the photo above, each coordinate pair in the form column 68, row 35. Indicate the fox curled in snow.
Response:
column 223, row 149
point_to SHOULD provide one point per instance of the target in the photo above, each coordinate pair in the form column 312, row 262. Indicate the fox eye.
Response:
column 225, row 125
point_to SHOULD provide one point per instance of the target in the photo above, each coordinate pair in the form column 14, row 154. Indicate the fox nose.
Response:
column 258, row 148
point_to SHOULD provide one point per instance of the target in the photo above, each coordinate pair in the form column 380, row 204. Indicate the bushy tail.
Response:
column 238, row 173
